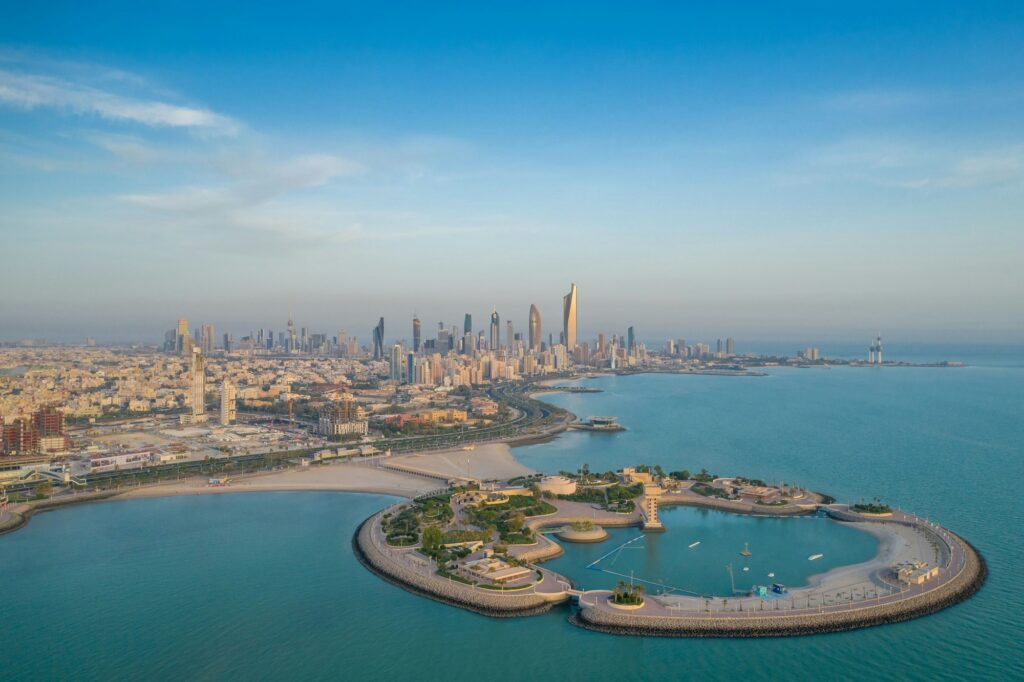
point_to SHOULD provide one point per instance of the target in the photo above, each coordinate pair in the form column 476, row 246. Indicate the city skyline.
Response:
column 779, row 173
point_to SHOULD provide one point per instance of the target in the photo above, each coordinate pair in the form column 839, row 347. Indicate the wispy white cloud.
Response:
column 228, row 186
column 875, row 100
column 254, row 183
column 31, row 91
column 908, row 164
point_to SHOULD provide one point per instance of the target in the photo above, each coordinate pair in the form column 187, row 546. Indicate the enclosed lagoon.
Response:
column 666, row 562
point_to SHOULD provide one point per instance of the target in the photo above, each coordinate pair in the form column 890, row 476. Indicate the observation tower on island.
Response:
column 649, row 509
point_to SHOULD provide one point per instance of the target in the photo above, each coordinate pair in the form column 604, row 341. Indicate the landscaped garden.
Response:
column 875, row 506
column 403, row 529
column 509, row 519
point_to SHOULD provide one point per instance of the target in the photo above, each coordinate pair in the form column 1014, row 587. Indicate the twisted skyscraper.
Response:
column 569, row 317
column 378, row 340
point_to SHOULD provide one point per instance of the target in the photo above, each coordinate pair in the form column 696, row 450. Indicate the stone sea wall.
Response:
column 487, row 602
column 965, row 584
column 18, row 515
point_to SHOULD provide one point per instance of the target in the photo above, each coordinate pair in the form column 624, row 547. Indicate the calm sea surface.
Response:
column 264, row 586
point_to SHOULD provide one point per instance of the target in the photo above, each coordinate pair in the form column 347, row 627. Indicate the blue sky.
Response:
column 815, row 170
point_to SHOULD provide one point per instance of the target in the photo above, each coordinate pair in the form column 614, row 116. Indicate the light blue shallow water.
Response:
column 264, row 586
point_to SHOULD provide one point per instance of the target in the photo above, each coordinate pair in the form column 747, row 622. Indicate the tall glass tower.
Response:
column 378, row 340
column 495, row 330
column 569, row 317
column 535, row 332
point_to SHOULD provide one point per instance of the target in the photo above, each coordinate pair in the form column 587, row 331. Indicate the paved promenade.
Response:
column 843, row 598
column 846, row 597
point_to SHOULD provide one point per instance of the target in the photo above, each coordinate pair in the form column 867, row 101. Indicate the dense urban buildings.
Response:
column 302, row 373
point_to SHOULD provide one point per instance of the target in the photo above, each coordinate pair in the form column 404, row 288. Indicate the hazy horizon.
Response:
column 798, row 172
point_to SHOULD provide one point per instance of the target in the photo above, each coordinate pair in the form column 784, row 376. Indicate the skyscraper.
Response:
column 183, row 342
column 509, row 333
column 416, row 334
column 292, row 339
column 569, row 317
column 229, row 341
column 495, row 330
column 206, row 339
column 396, row 363
column 467, row 324
column 535, row 329
column 378, row 340
column 443, row 344
column 227, row 403
column 631, row 342
column 198, row 392
column 730, row 347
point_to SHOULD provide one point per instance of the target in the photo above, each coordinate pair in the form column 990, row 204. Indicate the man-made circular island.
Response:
column 485, row 557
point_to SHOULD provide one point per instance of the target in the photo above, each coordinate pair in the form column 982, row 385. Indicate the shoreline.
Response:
column 964, row 571
column 409, row 475
column 362, row 476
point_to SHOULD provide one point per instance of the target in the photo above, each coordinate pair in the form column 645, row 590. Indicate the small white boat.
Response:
column 746, row 568
column 771, row 575
column 815, row 557
column 694, row 544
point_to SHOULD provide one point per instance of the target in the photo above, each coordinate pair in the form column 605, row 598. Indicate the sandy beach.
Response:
column 487, row 461
column 404, row 476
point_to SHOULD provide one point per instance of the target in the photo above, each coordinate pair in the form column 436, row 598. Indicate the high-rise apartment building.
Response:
column 535, row 329
column 730, row 347
column 467, row 324
column 198, row 392
column 228, row 403
column 569, row 310
column 416, row 334
column 630, row 340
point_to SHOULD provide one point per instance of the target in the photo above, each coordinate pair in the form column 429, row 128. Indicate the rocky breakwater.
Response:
column 388, row 564
column 18, row 515
column 959, row 587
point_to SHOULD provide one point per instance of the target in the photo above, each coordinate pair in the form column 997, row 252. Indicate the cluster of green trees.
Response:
column 875, row 506
column 451, row 536
column 612, row 495
column 509, row 519
column 624, row 593
column 429, row 514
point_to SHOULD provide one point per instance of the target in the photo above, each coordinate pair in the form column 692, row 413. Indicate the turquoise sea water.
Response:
column 666, row 562
column 264, row 586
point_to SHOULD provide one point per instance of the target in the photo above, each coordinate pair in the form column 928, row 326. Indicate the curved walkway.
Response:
column 830, row 603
